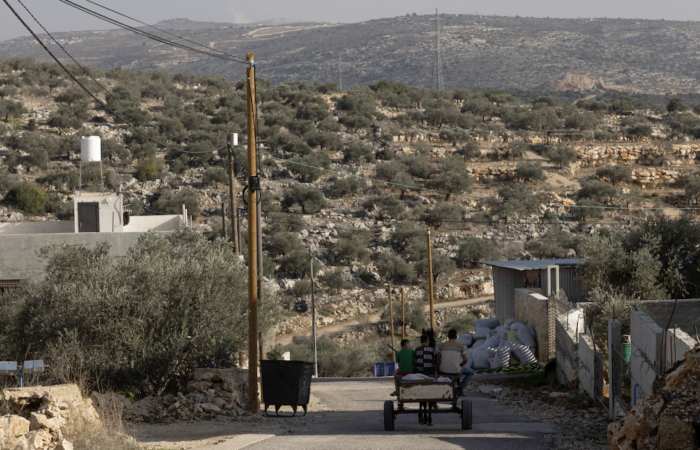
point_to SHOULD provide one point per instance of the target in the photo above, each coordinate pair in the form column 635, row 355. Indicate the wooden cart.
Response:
column 428, row 392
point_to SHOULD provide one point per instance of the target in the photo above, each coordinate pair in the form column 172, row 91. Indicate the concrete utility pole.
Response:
column 430, row 283
column 253, row 186
column 223, row 218
column 313, row 309
column 403, row 317
column 232, row 194
column 391, row 317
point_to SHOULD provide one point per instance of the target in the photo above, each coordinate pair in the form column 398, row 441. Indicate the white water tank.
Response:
column 90, row 149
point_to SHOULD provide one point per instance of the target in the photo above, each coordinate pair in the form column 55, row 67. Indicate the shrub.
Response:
column 562, row 156
column 215, row 175
column 404, row 232
column 357, row 151
column 297, row 264
column 282, row 243
column 355, row 122
column 692, row 187
column 29, row 197
column 147, row 168
column 441, row 213
column 170, row 203
column 417, row 165
column 597, row 190
column 333, row 279
column 462, row 324
column 335, row 360
column 326, row 141
column 156, row 298
column 348, row 250
column 582, row 121
column 302, row 288
column 470, row 151
column 394, row 268
column 530, row 172
column 388, row 206
column 281, row 222
column 73, row 116
column 675, row 105
column 555, row 243
column 9, row 109
column 472, row 250
column 451, row 183
column 309, row 198
column 307, row 167
column 443, row 267
column 614, row 173
column 62, row 180
column 345, row 186
column 587, row 209
column 384, row 155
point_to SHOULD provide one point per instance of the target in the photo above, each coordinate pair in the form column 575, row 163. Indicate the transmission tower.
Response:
column 438, row 82
column 340, row 70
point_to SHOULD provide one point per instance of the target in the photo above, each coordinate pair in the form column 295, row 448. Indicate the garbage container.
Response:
column 286, row 383
column 626, row 352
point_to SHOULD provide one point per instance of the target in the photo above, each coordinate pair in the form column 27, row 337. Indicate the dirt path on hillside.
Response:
column 553, row 178
column 373, row 318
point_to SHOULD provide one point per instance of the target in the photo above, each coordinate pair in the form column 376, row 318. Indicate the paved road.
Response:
column 374, row 318
column 355, row 421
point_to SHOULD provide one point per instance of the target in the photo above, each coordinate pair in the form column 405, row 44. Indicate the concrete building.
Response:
column 532, row 274
column 97, row 218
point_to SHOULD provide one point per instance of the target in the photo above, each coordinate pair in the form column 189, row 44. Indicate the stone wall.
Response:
column 630, row 152
column 645, row 356
column 531, row 308
column 590, row 367
column 568, row 326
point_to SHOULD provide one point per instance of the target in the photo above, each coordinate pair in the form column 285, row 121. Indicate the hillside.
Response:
column 479, row 52
column 356, row 176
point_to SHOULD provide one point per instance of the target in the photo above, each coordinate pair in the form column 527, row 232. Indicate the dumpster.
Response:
column 286, row 383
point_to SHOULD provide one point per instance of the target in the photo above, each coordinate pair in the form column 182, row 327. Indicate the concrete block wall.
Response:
column 531, row 308
column 645, row 355
column 677, row 343
column 590, row 367
column 568, row 326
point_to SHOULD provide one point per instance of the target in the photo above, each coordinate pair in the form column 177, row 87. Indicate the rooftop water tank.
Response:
column 90, row 149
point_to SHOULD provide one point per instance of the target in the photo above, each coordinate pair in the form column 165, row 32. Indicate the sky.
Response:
column 57, row 16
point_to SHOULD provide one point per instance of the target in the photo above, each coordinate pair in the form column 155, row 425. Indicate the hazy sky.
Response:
column 57, row 16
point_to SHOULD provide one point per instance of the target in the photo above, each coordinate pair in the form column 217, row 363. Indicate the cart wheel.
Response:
column 466, row 414
column 388, row 415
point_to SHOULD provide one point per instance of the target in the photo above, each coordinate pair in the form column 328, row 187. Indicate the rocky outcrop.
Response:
column 665, row 420
column 573, row 82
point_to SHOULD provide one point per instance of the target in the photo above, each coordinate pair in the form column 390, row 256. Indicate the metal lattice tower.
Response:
column 438, row 82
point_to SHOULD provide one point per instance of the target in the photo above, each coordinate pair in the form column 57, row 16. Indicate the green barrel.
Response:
column 626, row 352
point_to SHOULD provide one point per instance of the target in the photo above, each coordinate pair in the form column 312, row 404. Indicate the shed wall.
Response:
column 567, row 281
column 505, row 281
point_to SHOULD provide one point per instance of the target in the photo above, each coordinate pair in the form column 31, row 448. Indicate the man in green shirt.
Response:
column 406, row 358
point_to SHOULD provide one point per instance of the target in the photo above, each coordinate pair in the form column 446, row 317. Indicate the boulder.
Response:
column 210, row 408
column 39, row 421
column 13, row 426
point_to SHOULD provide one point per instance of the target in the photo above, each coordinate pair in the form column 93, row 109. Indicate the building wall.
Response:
column 19, row 254
column 111, row 210
column 37, row 227
column 645, row 354
column 590, row 367
column 532, row 308
column 567, row 281
column 505, row 281
column 686, row 316
column 141, row 224
column 568, row 327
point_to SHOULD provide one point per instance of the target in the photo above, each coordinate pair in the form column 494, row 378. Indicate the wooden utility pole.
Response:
column 430, row 283
column 403, row 317
column 313, row 309
column 252, row 240
column 223, row 218
column 232, row 194
column 391, row 317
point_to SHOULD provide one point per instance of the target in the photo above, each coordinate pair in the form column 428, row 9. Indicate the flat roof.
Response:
column 533, row 264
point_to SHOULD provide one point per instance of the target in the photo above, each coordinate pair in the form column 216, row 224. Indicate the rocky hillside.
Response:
column 479, row 52
column 356, row 176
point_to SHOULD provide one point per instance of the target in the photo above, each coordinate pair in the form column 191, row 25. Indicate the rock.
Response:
column 61, row 393
column 210, row 408
column 173, row 407
column 14, row 426
column 675, row 434
column 169, row 399
column 37, row 439
column 64, row 445
column 194, row 386
column 558, row 394
column 39, row 421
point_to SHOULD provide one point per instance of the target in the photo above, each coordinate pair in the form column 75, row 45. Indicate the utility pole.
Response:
column 223, row 217
column 313, row 309
column 232, row 194
column 253, row 183
column 403, row 317
column 438, row 82
column 430, row 283
column 340, row 70
column 391, row 316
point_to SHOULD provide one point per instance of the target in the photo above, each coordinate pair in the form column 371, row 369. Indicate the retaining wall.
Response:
column 531, row 308
column 590, row 368
column 645, row 355
column 568, row 326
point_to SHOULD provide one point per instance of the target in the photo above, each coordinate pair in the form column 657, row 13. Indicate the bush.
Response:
column 461, row 324
column 156, row 298
column 614, row 173
column 443, row 267
column 389, row 207
column 357, row 151
column 335, row 360
column 307, row 167
column 562, row 156
column 348, row 250
column 302, row 288
column 170, row 203
column 29, row 197
column 66, row 212
column 62, row 180
column 333, row 279
column 597, row 190
column 451, row 183
column 517, row 200
column 470, row 151
column 355, row 122
column 472, row 250
column 297, row 264
column 441, row 213
column 215, row 175
column 147, row 168
column 587, row 209
column 530, row 172
column 345, row 186
column 282, row 243
column 384, row 155
column 394, row 268
column 73, row 116
column 309, row 198
column 417, row 165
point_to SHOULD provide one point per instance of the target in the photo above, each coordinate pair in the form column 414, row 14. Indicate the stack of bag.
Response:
column 496, row 346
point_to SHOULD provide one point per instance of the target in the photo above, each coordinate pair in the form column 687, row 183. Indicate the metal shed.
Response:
column 510, row 275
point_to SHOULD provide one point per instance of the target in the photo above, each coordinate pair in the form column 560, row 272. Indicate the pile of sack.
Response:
column 496, row 346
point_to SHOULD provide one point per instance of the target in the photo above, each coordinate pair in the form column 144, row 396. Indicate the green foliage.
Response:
column 61, row 180
column 691, row 184
column 451, row 183
column 470, row 151
column 615, row 173
column 139, row 325
column 588, row 209
column 307, row 167
column 562, row 156
column 388, row 206
column 30, row 198
column 170, row 203
column 355, row 122
column 517, row 201
column 345, row 186
column 555, row 243
column 147, row 168
column 334, row 281
column 394, row 268
column 386, row 85
column 515, row 150
column 325, row 141
column 281, row 222
column 9, row 109
column 675, row 105
column 404, row 233
column 282, row 243
column 297, row 264
column 215, row 175
column 349, row 249
column 472, row 250
column 582, row 121
column 301, row 288
column 597, row 190
column 338, row 361
column 530, row 172
column 395, row 172
column 443, row 267
column 441, row 213
column 606, row 304
column 622, row 103
column 462, row 324
column 308, row 197
column 417, row 165
column 357, row 151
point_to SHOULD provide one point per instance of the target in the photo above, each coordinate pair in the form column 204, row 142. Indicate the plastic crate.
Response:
column 378, row 369
column 390, row 368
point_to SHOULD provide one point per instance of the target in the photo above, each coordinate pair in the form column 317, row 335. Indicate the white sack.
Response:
column 417, row 377
column 522, row 352
column 482, row 332
column 508, row 322
column 515, row 325
column 466, row 339
column 480, row 360
column 524, row 336
column 490, row 354
column 490, row 323
column 470, row 358
column 478, row 343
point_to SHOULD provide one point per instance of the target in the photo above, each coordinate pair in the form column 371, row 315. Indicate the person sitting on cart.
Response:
column 406, row 358
column 452, row 361
column 426, row 354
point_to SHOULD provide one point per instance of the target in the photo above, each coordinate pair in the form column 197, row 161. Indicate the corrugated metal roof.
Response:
column 533, row 264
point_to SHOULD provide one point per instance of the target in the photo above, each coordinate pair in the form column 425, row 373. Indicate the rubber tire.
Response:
column 466, row 414
column 388, row 415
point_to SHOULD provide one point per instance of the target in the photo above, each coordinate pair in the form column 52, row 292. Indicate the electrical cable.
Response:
column 85, row 71
column 146, row 34
column 107, row 108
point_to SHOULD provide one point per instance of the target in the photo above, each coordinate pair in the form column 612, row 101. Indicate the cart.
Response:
column 428, row 392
